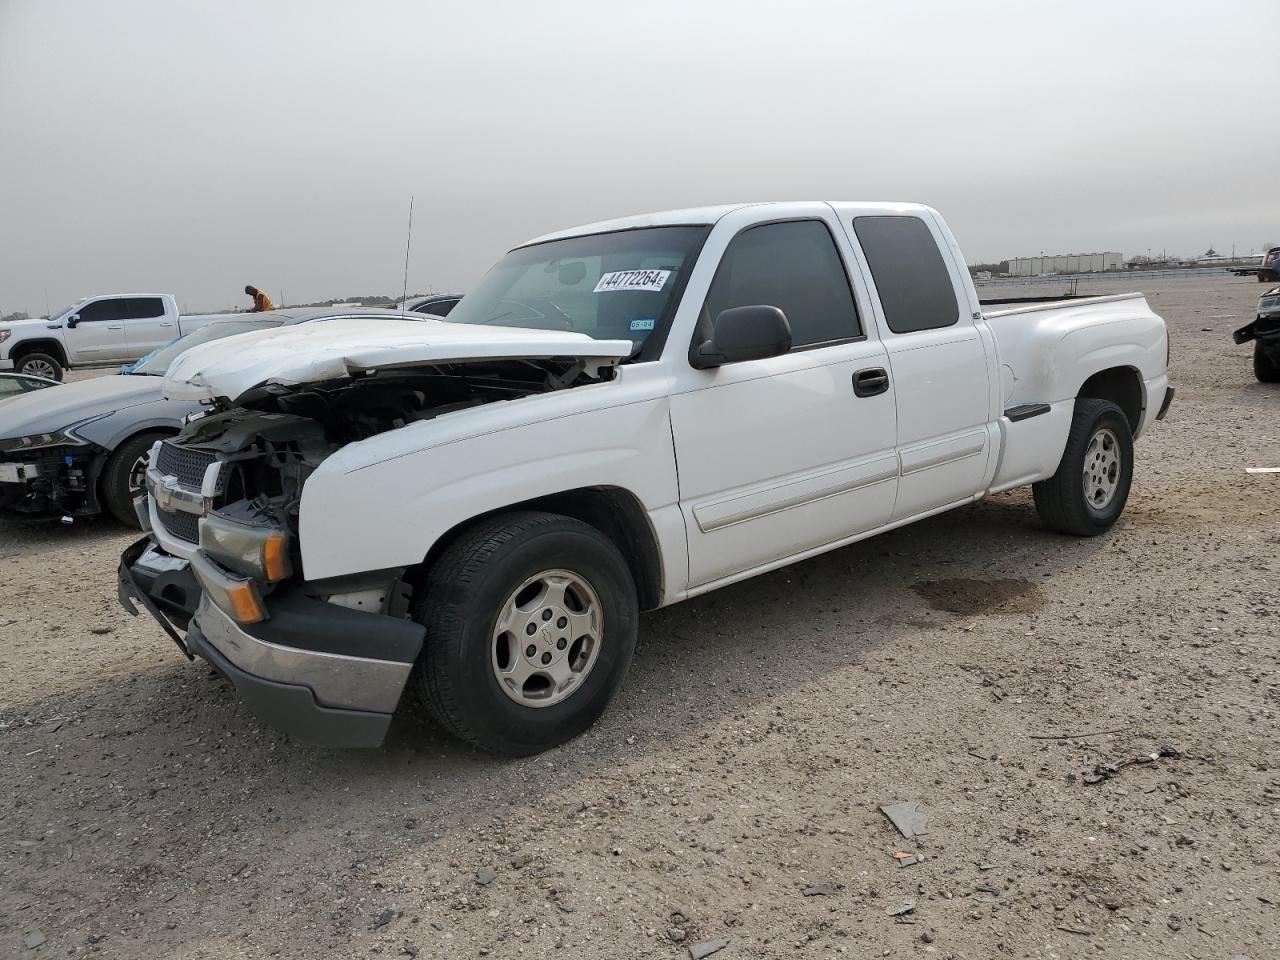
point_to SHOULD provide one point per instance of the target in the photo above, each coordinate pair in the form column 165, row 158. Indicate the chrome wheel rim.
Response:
column 1101, row 469
column 40, row 368
column 547, row 638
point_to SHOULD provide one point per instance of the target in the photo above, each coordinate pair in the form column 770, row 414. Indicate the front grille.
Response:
column 184, row 463
column 184, row 526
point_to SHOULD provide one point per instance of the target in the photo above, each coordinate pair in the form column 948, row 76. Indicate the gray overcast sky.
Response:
column 195, row 147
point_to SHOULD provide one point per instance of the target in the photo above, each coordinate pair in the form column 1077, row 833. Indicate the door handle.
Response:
column 167, row 323
column 115, row 326
column 869, row 383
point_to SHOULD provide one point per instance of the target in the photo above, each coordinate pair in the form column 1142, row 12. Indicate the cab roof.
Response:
column 700, row 216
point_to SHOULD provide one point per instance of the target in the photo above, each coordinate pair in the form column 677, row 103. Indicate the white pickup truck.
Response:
column 473, row 512
column 96, row 331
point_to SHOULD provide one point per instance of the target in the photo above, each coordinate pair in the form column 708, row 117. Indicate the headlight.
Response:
column 37, row 441
column 66, row 437
column 261, row 552
column 5, row 335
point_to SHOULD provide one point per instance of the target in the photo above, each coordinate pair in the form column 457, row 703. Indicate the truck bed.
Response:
column 1038, row 306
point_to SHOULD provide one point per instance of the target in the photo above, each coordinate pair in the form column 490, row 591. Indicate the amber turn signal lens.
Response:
column 245, row 605
column 275, row 557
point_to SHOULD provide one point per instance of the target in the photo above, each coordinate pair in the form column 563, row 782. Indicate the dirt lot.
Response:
column 965, row 662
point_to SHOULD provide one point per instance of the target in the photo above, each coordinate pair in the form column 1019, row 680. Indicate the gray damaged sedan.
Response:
column 81, row 449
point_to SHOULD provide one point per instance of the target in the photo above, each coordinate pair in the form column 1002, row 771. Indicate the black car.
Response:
column 1270, row 269
column 1265, row 334
column 436, row 305
column 16, row 384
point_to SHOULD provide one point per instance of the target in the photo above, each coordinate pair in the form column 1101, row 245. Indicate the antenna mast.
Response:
column 404, row 294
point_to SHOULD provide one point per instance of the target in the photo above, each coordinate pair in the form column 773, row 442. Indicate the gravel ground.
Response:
column 731, row 794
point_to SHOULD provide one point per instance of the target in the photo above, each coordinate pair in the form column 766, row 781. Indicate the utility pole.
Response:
column 408, row 241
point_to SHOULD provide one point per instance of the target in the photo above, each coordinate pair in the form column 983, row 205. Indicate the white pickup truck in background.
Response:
column 620, row 416
column 96, row 331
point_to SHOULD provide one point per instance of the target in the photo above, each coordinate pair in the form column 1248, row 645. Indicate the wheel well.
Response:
column 613, row 511
column 1122, row 386
column 52, row 347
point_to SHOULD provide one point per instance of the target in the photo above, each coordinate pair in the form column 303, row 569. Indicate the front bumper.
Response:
column 1264, row 328
column 51, row 480
column 321, row 673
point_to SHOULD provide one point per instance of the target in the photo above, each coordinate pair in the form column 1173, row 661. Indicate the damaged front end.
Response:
column 1265, row 327
column 323, row 660
column 52, row 473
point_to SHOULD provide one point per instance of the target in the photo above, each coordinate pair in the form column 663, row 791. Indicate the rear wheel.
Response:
column 531, row 624
column 125, row 475
column 1088, row 493
column 38, row 364
column 1265, row 367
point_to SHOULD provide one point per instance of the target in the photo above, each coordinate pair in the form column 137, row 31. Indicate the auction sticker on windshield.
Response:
column 651, row 280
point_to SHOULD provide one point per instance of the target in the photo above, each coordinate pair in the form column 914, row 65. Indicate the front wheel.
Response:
column 38, row 364
column 531, row 624
column 1265, row 367
column 1088, row 493
column 124, row 477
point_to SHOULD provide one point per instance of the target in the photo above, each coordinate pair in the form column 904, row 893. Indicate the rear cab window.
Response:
column 911, row 277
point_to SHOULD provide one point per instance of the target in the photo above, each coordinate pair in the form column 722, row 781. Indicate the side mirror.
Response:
column 744, row 333
column 72, row 321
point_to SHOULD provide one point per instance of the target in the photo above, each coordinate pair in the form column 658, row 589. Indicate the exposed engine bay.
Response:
column 276, row 437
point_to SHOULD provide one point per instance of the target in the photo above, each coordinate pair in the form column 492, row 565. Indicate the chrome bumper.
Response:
column 337, row 680
column 321, row 673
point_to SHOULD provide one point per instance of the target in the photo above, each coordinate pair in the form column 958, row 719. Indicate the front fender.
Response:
column 112, row 430
column 363, row 513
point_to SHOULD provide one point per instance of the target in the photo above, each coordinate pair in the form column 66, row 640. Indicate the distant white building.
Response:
column 1066, row 263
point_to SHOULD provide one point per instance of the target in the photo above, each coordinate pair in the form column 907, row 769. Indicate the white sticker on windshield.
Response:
column 652, row 280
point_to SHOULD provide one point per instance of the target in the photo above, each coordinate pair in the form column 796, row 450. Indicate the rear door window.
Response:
column 141, row 308
column 795, row 267
column 910, row 275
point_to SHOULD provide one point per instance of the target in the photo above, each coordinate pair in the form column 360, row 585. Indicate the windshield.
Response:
column 57, row 313
column 610, row 286
column 156, row 363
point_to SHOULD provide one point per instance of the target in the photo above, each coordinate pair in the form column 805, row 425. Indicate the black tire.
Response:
column 117, row 491
column 37, row 363
column 1062, row 500
column 1264, row 367
column 466, row 590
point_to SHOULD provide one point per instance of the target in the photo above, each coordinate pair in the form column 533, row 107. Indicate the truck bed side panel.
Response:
column 1047, row 353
